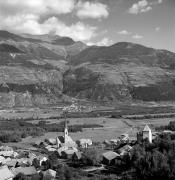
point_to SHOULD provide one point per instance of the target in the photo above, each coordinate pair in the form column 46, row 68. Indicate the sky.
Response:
column 94, row 22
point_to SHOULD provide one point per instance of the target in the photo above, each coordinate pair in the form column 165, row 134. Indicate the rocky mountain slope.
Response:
column 122, row 72
column 32, row 68
column 46, row 69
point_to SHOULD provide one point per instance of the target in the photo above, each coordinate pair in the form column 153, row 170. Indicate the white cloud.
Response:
column 104, row 42
column 124, row 32
column 92, row 10
column 157, row 28
column 137, row 36
column 148, row 8
column 36, row 6
column 21, row 16
column 160, row 1
column 143, row 6
column 156, row 2
column 30, row 24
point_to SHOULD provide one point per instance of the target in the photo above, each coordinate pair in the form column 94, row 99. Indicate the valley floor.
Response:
column 112, row 128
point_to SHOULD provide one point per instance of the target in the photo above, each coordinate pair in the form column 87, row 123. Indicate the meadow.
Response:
column 112, row 128
column 111, row 125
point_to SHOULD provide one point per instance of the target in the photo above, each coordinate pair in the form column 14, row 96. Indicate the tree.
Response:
column 90, row 157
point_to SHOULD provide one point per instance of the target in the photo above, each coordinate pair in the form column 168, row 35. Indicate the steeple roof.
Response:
column 146, row 128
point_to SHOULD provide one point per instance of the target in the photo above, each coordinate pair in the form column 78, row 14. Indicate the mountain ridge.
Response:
column 34, row 70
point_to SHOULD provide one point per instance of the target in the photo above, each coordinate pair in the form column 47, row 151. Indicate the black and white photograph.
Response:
column 87, row 89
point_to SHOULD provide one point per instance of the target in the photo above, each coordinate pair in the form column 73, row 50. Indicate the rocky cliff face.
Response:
column 45, row 70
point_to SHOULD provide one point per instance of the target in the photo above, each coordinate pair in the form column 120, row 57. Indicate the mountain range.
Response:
column 47, row 69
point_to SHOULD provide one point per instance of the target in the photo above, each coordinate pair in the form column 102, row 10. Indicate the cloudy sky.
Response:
column 100, row 22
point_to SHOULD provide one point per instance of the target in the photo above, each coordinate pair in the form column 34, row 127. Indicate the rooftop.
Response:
column 110, row 155
column 146, row 128
column 5, row 173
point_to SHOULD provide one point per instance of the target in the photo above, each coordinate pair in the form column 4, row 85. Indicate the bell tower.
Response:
column 66, row 134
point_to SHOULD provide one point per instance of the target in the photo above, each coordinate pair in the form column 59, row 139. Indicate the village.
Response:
column 33, row 162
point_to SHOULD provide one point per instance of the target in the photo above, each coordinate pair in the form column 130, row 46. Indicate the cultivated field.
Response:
column 112, row 128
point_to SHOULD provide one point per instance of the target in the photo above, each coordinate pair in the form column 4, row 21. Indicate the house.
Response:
column 132, row 140
column 124, row 150
column 24, row 162
column 7, row 153
column 114, row 141
column 124, row 136
column 51, row 141
column 168, row 132
column 109, row 157
column 2, row 159
column 6, row 174
column 28, row 171
column 49, row 174
column 37, row 143
column 50, row 148
column 68, row 153
column 6, row 148
column 84, row 143
column 11, row 163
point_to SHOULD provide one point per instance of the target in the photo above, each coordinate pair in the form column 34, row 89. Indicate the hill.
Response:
column 32, row 68
column 122, row 72
column 48, row 69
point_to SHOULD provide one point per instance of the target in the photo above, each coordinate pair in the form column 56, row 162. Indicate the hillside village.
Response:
column 33, row 162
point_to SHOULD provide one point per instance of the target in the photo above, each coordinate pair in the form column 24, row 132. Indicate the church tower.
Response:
column 66, row 135
column 147, row 134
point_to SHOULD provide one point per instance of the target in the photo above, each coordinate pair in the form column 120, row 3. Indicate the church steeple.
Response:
column 66, row 131
column 66, row 128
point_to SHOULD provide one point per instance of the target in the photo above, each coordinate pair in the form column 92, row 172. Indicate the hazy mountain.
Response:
column 47, row 69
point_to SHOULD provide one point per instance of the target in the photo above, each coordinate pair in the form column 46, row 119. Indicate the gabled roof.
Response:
column 23, row 161
column 7, row 153
column 125, row 148
column 28, row 171
column 49, row 174
column 61, row 139
column 110, row 155
column 5, row 173
column 146, row 128
column 11, row 163
column 69, row 151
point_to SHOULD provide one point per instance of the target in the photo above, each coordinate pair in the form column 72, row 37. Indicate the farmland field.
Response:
column 112, row 128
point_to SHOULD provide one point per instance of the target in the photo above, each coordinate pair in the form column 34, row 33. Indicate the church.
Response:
column 65, row 142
